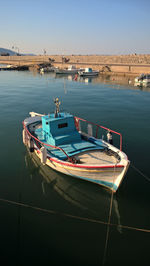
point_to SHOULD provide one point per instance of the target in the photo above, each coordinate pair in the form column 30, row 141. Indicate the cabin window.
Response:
column 62, row 125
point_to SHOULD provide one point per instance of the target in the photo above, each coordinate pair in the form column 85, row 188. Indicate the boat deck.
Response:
column 86, row 152
column 96, row 158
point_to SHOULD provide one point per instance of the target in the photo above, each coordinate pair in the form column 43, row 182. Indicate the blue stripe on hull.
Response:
column 100, row 182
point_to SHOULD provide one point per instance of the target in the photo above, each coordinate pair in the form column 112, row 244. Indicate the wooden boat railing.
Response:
column 77, row 123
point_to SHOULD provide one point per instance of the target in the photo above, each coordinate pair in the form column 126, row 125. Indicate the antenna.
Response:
column 57, row 103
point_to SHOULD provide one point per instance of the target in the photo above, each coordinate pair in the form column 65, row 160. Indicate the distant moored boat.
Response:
column 88, row 72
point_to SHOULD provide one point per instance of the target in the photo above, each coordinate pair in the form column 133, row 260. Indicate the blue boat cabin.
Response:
column 60, row 130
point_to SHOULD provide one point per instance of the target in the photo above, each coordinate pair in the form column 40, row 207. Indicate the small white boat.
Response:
column 71, row 70
column 10, row 66
column 59, row 142
column 88, row 72
column 47, row 69
column 142, row 80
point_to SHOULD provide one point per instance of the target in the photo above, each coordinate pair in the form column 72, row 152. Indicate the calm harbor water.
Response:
column 51, row 219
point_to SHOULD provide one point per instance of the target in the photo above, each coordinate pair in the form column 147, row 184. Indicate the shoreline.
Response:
column 121, row 65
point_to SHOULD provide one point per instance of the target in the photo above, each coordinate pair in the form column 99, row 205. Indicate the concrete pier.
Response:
column 121, row 64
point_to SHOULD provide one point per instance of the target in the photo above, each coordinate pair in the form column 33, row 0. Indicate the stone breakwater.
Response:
column 121, row 64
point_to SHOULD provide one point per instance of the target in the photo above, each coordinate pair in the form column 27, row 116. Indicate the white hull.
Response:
column 47, row 69
column 96, row 166
column 108, row 177
column 143, row 80
column 142, row 83
column 90, row 74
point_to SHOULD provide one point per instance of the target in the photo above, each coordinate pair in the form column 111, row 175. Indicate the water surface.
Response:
column 63, row 220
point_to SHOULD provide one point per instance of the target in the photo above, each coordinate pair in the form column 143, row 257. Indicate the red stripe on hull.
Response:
column 86, row 166
column 83, row 166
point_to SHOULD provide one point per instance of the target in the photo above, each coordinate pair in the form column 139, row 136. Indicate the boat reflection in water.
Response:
column 76, row 77
column 87, row 80
column 94, row 201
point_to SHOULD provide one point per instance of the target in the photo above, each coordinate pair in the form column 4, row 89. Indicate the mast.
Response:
column 57, row 104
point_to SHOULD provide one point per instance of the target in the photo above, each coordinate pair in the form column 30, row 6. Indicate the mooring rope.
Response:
column 108, row 224
column 73, row 216
column 140, row 172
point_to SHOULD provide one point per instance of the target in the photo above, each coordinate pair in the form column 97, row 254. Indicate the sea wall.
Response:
column 127, row 64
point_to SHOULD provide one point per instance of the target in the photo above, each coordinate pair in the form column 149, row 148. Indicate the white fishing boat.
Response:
column 71, row 70
column 59, row 142
column 142, row 80
column 88, row 72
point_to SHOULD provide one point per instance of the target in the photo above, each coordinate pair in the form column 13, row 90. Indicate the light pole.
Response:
column 44, row 54
column 18, row 54
column 16, row 48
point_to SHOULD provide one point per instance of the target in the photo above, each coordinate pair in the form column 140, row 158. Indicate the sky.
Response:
column 75, row 26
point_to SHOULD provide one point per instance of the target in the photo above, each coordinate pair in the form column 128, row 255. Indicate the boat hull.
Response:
column 93, row 74
column 66, row 71
column 88, row 72
column 107, row 176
